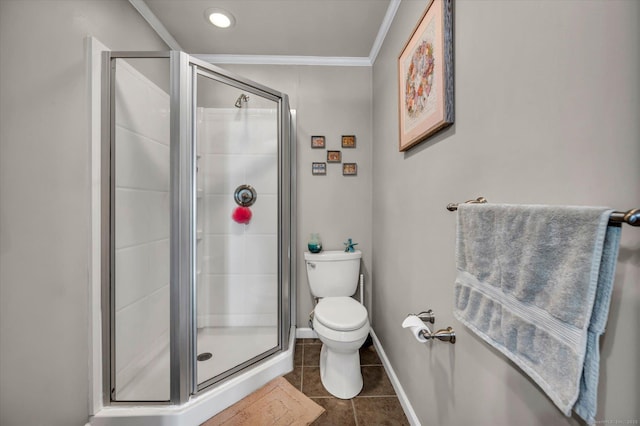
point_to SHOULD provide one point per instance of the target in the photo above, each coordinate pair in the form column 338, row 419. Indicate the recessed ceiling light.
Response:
column 219, row 17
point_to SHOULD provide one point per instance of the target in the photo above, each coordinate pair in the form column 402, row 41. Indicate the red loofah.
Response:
column 242, row 215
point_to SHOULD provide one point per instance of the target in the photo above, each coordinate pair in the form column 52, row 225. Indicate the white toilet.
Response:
column 340, row 321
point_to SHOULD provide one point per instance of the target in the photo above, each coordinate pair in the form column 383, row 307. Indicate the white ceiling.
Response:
column 338, row 29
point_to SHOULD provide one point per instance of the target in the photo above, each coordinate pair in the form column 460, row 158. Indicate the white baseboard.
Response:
column 402, row 396
column 306, row 333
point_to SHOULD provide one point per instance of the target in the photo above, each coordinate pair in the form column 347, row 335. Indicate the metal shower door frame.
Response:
column 184, row 70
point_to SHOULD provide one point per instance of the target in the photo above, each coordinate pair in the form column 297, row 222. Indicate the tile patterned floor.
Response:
column 377, row 404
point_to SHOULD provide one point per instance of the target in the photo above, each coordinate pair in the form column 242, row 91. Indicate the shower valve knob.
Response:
column 245, row 195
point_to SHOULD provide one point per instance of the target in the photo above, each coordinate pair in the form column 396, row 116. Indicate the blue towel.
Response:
column 535, row 282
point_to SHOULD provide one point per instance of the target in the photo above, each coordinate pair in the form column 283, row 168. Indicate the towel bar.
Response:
column 452, row 207
column 631, row 217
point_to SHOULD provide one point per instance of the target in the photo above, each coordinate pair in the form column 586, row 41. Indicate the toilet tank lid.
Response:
column 331, row 255
column 341, row 313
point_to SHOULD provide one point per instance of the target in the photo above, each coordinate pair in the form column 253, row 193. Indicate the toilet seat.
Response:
column 341, row 313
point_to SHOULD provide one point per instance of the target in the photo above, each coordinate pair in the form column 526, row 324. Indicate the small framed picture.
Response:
column 348, row 141
column 317, row 141
column 334, row 156
column 319, row 169
column 350, row 169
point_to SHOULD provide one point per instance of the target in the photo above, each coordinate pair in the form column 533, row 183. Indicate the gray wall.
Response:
column 44, row 199
column 547, row 104
column 329, row 101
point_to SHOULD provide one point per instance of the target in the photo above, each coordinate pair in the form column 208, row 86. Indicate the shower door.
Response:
column 237, row 297
column 190, row 295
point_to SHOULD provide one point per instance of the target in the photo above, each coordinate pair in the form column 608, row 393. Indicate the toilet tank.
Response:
column 333, row 273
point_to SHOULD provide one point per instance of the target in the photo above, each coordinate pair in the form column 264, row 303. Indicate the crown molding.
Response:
column 384, row 28
column 155, row 23
column 337, row 61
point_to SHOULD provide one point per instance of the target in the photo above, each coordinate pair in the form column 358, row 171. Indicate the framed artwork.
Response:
column 317, row 141
column 349, row 169
column 319, row 169
column 348, row 141
column 334, row 156
column 425, row 76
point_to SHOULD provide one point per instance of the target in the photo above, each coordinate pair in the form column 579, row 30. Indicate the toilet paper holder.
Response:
column 427, row 316
column 445, row 335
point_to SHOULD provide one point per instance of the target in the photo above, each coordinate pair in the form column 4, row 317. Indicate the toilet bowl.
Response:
column 342, row 323
column 342, row 326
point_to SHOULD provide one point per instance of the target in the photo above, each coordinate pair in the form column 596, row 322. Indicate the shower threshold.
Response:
column 230, row 346
column 204, row 405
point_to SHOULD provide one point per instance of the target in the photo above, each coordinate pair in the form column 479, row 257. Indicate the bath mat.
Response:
column 276, row 403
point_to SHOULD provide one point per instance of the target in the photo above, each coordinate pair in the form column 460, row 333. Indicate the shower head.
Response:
column 242, row 99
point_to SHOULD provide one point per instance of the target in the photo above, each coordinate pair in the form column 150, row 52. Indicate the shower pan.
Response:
column 197, row 305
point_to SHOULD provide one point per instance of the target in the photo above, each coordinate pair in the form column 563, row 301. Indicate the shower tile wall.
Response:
column 142, row 224
column 238, row 263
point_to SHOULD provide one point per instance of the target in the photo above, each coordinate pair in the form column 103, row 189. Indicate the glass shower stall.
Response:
column 194, row 291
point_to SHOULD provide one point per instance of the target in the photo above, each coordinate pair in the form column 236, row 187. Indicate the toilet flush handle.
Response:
column 311, row 265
